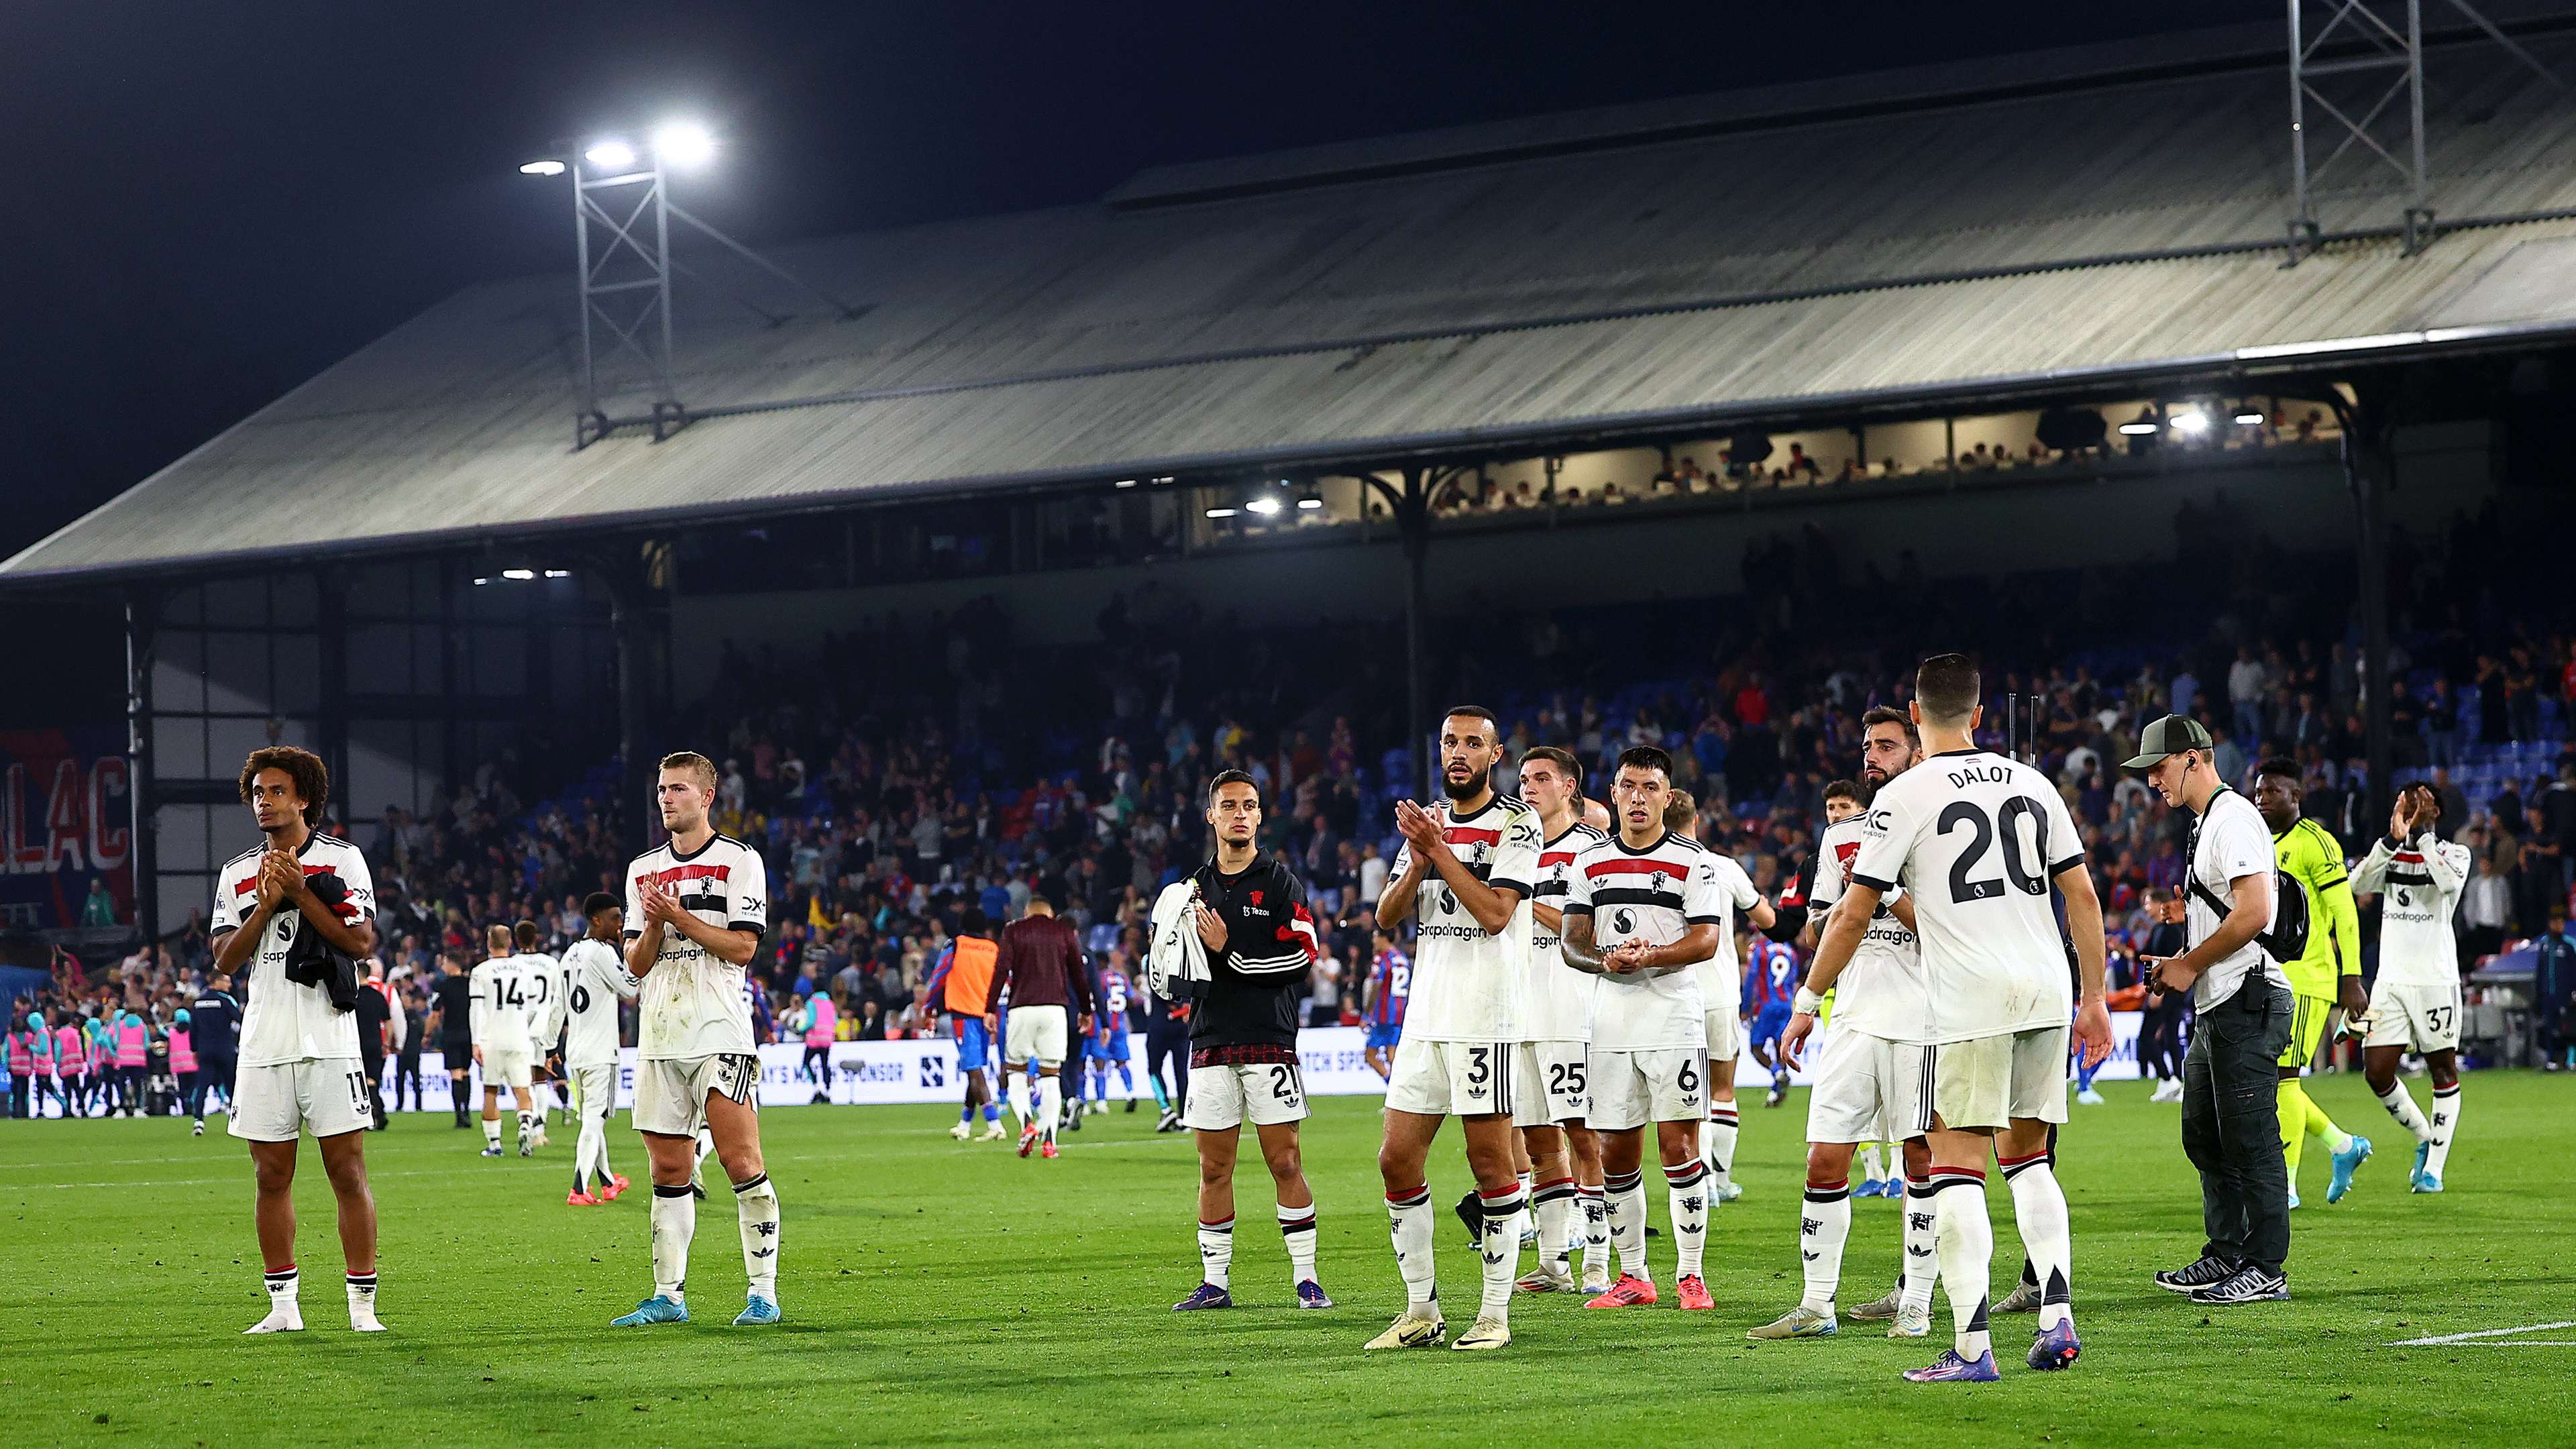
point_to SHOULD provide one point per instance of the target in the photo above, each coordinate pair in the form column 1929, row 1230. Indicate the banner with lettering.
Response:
column 66, row 821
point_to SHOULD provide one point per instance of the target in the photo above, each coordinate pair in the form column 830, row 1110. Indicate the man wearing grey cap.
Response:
column 2230, row 1105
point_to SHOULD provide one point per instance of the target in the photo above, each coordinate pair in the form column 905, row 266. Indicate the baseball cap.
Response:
column 2168, row 736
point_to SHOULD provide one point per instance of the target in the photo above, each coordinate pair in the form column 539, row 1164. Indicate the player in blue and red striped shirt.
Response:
column 1390, row 983
column 1771, row 972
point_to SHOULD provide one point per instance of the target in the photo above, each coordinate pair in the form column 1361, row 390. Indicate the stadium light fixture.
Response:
column 1124, row 483
column 558, row 573
column 1263, row 506
column 518, row 575
column 2190, row 420
column 478, row 583
column 1223, row 512
column 543, row 166
column 610, row 155
column 2138, row 429
column 1309, row 503
column 683, row 144
column 2250, row 419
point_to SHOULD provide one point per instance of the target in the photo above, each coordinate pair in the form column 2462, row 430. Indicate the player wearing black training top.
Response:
column 453, row 996
column 1251, row 918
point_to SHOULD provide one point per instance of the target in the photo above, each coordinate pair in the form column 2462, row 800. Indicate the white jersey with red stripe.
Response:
column 283, row 1021
column 1471, row 984
column 1654, row 894
column 2418, row 884
column 1561, row 999
column 695, row 1003
column 1881, row 991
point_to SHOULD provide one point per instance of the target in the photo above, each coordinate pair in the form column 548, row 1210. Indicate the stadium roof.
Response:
column 1929, row 237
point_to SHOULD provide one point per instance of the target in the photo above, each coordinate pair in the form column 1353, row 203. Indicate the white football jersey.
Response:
column 695, row 1003
column 1881, row 991
column 2418, row 885
column 1976, row 838
column 1721, row 977
column 1470, row 984
column 500, row 1005
column 541, row 977
column 1654, row 895
column 281, row 1020
column 595, row 979
column 1561, row 999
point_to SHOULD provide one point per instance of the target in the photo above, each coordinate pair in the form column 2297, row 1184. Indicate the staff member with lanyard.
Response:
column 2231, row 1124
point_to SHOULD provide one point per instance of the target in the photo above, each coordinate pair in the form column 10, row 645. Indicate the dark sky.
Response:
column 208, row 203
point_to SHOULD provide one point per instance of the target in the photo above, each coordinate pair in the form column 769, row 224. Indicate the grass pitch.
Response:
column 946, row 1294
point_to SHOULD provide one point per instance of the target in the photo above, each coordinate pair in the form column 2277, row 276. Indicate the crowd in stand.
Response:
column 911, row 773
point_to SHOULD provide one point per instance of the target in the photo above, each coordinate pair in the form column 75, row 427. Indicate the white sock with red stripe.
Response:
column 1505, row 1214
column 1297, row 1226
column 1552, row 1202
column 1824, row 1226
column 1686, row 1193
column 1216, row 1252
column 1409, row 1224
column 1596, row 1230
column 1624, row 1198
column 1717, row 1139
column 1921, row 1270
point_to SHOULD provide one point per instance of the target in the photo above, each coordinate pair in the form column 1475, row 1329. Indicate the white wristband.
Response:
column 1807, row 1003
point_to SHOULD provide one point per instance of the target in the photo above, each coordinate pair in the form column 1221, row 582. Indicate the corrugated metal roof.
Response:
column 1728, row 275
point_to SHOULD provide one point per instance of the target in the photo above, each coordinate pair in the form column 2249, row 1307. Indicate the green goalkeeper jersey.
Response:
column 2312, row 856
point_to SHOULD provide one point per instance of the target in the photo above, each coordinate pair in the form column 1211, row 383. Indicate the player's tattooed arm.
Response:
column 1575, row 943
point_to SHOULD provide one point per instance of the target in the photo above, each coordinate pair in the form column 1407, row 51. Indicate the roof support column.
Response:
column 142, row 609
column 2366, row 461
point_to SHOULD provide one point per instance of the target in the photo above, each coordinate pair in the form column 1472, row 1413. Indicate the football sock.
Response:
column 1624, row 1197
column 2293, row 1111
column 1506, row 1213
column 1050, row 1103
column 528, row 1124
column 2084, row 1074
column 1965, row 1244
column 1126, row 1081
column 2039, row 1212
column 1019, row 1089
column 2321, row 1125
column 492, row 1132
column 706, row 1149
column 966, row 1113
column 282, row 1286
column 1686, row 1198
column 755, row 1203
column 1823, row 1228
column 2402, row 1107
column 1162, row 1098
column 1921, row 1271
column 1869, row 1163
column 675, row 1221
column 1297, row 1226
column 1216, row 1252
column 1528, row 1182
column 2446, row 1122
column 1717, row 1143
column 456, row 1099
column 1553, row 1203
column 1596, row 1229
column 1409, row 1221
column 992, row 1111
column 362, row 1299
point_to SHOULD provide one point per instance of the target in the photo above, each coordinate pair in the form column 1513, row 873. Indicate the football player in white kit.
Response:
column 1869, row 1074
column 542, row 977
column 501, row 1045
column 1721, row 988
column 1646, row 909
column 595, row 979
column 1976, row 838
column 1465, row 1024
column 299, row 1066
column 1564, row 1153
column 2415, row 1003
column 696, row 910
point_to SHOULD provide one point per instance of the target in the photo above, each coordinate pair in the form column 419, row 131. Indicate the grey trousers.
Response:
column 2231, row 1124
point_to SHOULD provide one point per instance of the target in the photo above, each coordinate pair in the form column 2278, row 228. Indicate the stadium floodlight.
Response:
column 610, row 155
column 1124, row 483
column 1309, row 503
column 683, row 144
column 2138, row 429
column 1263, row 506
column 558, row 573
column 1223, row 512
column 2190, row 420
column 2250, row 418
column 519, row 575
column 478, row 583
column 543, row 166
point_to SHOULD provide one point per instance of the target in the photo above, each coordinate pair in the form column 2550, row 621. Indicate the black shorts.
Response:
column 459, row 1051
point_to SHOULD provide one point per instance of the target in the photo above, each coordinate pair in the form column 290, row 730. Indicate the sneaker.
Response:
column 491, row 1152
column 1628, row 1292
column 1869, row 1187
column 1167, row 1121
column 2055, row 1348
column 959, row 1131
column 1692, row 1294
column 1206, row 1295
column 1471, row 1212
column 1880, row 1310
column 615, row 1188
column 698, row 1189
column 1048, row 1152
column 656, row 1309
column 2089, row 1097
column 2346, row 1163
column 1310, row 1294
column 757, row 1312
column 1728, row 1191
column 1949, row 1368
column 1028, row 1139
column 2423, row 1154
column 1072, row 1122
column 1486, row 1333
column 2023, row 1299
column 527, row 1148
column 2199, row 1275
column 1131, row 1106
column 279, row 1320
column 1775, row 1097
column 1798, row 1322
column 993, row 1133
column 365, row 1322
column 199, row 1129
column 1595, row 1282
column 2248, row 1284
column 2427, row 1182
column 1911, row 1323
column 2294, row 1199
column 578, row 1198
column 1409, row 1331
column 1546, row 1278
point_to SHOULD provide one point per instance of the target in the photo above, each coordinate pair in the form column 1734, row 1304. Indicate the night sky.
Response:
column 208, row 202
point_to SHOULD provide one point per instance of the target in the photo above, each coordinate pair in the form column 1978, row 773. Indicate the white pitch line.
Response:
column 2465, row 1338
